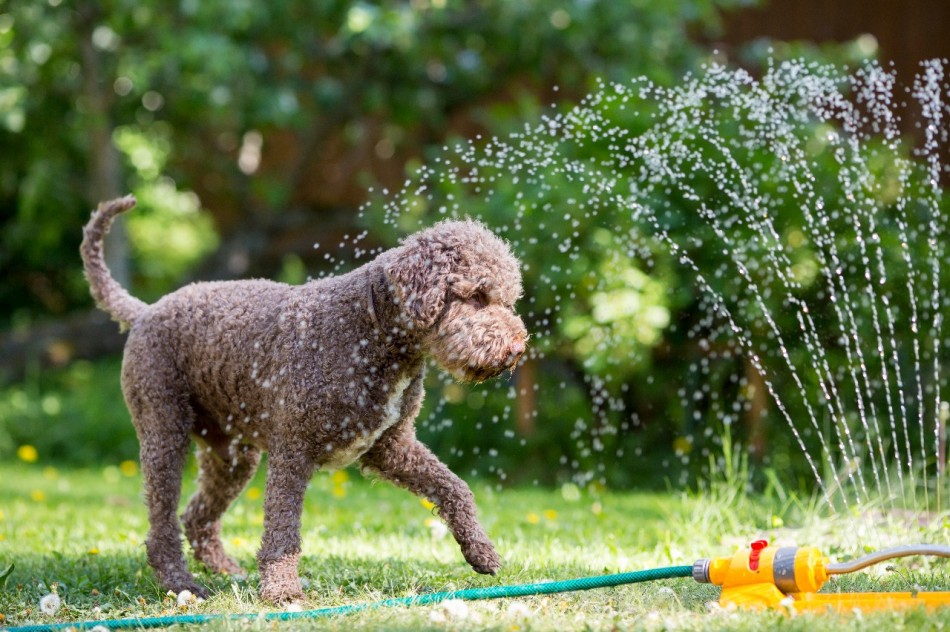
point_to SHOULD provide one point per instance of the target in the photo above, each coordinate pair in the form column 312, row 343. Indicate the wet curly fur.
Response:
column 319, row 376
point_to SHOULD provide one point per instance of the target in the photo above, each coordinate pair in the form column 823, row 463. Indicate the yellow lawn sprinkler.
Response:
column 789, row 577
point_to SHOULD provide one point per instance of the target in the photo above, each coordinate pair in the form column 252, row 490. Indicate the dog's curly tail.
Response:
column 109, row 295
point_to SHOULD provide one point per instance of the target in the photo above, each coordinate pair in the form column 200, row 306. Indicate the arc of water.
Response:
column 550, row 150
column 664, row 149
column 929, row 88
column 771, row 116
column 875, row 88
column 816, row 93
column 654, row 160
column 854, row 181
column 762, row 226
column 797, row 164
column 744, row 341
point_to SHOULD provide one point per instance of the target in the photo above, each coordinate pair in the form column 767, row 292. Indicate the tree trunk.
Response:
column 525, row 379
column 758, row 403
column 105, row 177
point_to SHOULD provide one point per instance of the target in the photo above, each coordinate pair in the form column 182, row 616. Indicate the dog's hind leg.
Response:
column 220, row 481
column 162, row 466
column 162, row 456
column 162, row 419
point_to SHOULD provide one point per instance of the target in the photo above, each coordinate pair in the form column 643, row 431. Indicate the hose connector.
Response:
column 701, row 570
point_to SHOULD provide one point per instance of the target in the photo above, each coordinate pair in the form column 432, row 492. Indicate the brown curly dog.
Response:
column 319, row 376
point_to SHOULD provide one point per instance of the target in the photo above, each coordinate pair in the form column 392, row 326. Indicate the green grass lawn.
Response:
column 80, row 533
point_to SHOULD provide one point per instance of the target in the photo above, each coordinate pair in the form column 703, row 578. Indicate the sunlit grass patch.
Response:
column 83, row 541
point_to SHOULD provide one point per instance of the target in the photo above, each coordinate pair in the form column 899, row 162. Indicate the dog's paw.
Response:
column 483, row 557
column 281, row 594
column 184, row 586
column 279, row 583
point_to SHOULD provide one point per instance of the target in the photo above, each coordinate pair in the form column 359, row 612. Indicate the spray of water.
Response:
column 812, row 227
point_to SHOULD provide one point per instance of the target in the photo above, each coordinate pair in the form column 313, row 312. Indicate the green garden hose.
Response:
column 472, row 594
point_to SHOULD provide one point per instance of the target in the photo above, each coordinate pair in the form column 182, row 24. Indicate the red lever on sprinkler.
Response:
column 757, row 547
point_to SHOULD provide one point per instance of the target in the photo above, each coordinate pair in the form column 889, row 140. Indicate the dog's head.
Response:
column 457, row 283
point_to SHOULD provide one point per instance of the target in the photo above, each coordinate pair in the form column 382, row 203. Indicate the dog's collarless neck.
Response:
column 385, row 316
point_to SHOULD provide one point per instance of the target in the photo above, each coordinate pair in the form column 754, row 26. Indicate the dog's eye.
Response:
column 478, row 299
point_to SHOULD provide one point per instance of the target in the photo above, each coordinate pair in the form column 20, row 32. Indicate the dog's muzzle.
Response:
column 515, row 350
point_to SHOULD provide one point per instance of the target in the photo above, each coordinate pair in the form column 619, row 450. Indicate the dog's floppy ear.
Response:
column 421, row 274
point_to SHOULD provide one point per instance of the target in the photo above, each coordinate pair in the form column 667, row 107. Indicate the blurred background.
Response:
column 251, row 131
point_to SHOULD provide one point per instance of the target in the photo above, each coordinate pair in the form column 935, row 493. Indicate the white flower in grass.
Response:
column 713, row 607
column 517, row 610
column 788, row 603
column 293, row 607
column 455, row 609
column 185, row 597
column 667, row 595
column 99, row 628
column 50, row 604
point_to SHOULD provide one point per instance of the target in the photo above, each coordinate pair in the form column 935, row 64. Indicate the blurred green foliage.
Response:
column 181, row 89
column 73, row 416
column 169, row 234
column 191, row 94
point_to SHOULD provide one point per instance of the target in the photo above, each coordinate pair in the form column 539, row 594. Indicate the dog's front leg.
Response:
column 288, row 473
column 403, row 460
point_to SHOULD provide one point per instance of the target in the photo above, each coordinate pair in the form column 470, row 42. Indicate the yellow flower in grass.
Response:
column 253, row 493
column 93, row 551
column 38, row 495
column 550, row 514
column 533, row 518
column 129, row 468
column 682, row 445
column 426, row 503
column 27, row 453
column 340, row 478
column 1, row 514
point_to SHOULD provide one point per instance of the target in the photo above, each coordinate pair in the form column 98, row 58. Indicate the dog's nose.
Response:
column 517, row 348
